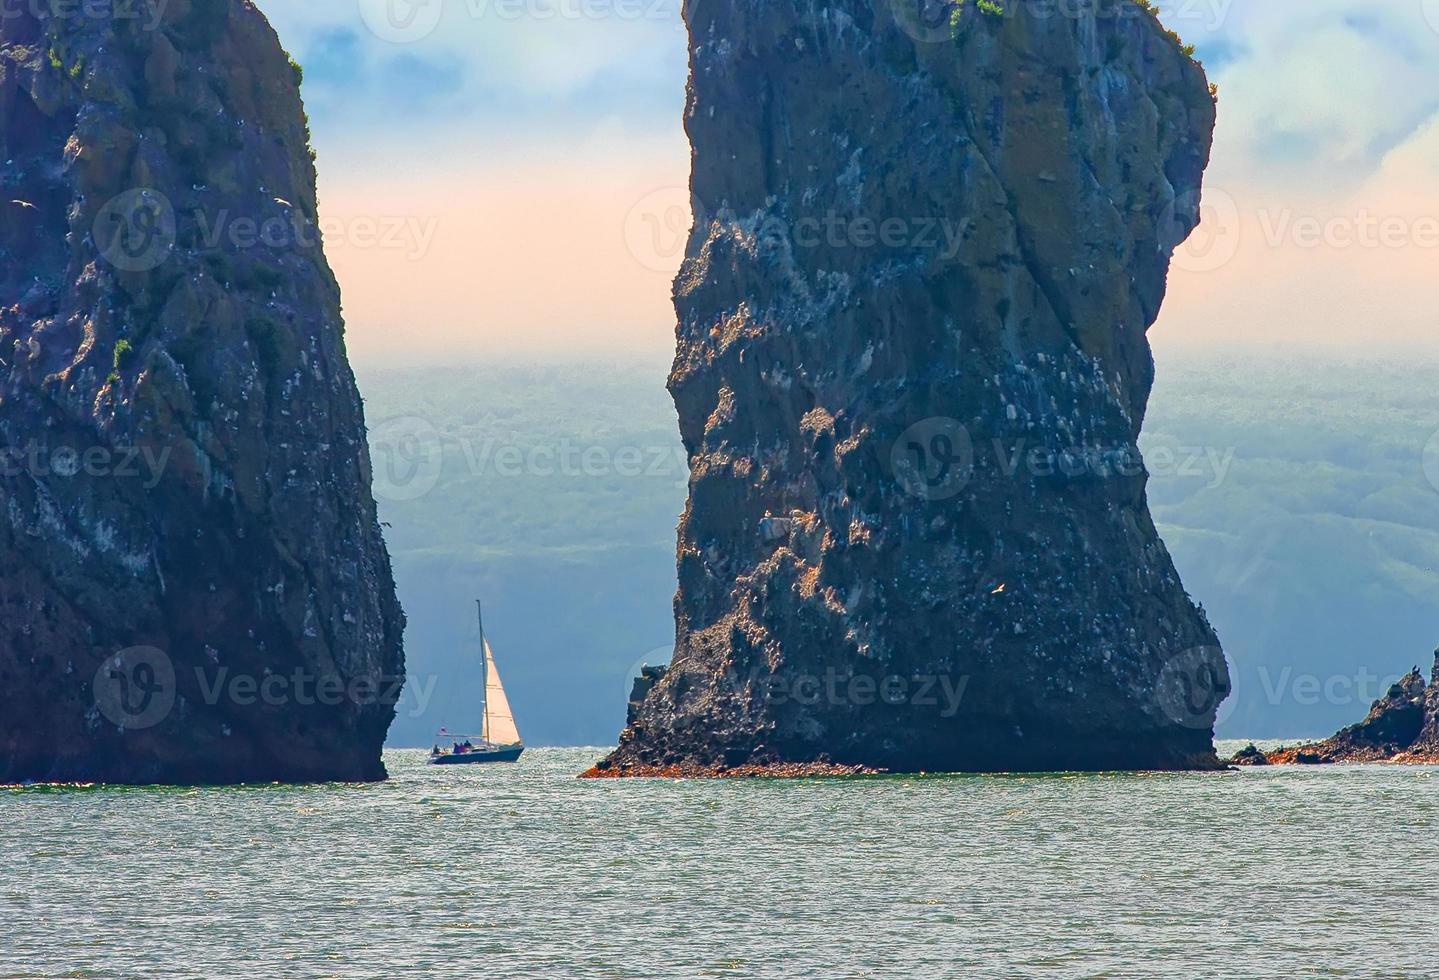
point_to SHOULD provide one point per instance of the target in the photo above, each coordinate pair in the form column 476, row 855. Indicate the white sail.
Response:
column 500, row 726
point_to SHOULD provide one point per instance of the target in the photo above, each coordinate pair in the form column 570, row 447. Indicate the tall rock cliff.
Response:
column 193, row 583
column 911, row 374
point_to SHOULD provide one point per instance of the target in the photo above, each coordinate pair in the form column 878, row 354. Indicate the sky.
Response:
column 508, row 175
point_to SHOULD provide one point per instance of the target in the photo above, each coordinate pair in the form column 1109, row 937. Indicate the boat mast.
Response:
column 484, row 676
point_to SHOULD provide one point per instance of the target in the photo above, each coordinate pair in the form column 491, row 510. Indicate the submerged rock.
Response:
column 911, row 375
column 1402, row 726
column 193, row 583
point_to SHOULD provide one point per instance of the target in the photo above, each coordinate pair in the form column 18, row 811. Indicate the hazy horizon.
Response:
column 1298, row 494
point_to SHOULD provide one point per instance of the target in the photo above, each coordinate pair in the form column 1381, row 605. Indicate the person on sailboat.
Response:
column 499, row 738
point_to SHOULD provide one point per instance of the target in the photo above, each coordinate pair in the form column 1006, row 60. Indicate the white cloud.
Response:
column 1328, row 120
column 549, row 49
column 1328, row 148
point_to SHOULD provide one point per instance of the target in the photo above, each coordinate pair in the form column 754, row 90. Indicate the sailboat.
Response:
column 499, row 739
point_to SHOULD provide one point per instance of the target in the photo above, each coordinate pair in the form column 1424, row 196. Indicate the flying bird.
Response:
column 283, row 203
column 1000, row 589
column 25, row 204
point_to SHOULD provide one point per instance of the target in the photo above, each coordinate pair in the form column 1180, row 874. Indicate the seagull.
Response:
column 283, row 203
column 1000, row 589
column 25, row 204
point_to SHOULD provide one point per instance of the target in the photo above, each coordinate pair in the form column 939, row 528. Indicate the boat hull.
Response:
column 509, row 754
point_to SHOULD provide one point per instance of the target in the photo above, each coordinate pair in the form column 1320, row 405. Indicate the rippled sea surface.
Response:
column 524, row 871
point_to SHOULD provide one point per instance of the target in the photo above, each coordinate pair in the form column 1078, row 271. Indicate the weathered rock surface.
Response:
column 911, row 373
column 1402, row 727
column 193, row 583
column 1250, row 755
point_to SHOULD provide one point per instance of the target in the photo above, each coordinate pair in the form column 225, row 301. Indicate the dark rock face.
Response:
column 193, row 584
column 644, row 684
column 1402, row 726
column 1250, row 755
column 912, row 370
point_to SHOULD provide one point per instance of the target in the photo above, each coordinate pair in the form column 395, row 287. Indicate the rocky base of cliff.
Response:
column 1402, row 729
column 977, row 745
column 780, row 770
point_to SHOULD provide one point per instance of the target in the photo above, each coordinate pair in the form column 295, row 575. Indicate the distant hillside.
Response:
column 1317, row 555
column 1291, row 491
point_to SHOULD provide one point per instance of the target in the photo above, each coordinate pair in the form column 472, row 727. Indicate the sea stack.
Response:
column 1402, row 727
column 911, row 374
column 193, row 583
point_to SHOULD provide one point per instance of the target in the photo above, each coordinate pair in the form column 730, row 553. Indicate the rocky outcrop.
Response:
column 1402, row 727
column 911, row 373
column 644, row 684
column 193, row 584
column 1250, row 755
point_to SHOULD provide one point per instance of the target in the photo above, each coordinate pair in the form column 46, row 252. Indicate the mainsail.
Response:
column 500, row 728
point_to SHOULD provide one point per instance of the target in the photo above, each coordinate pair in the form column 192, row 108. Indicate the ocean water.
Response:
column 524, row 871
